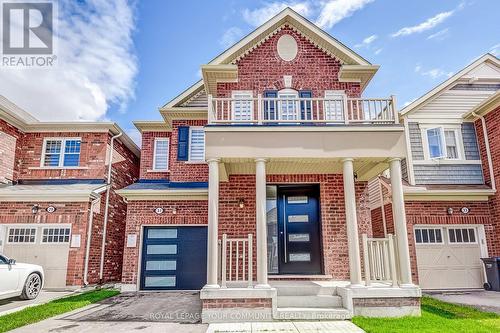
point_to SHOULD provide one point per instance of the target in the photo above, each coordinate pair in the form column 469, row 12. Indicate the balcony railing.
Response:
column 302, row 111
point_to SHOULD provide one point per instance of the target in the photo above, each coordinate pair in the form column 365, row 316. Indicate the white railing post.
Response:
column 392, row 258
column 346, row 110
column 394, row 109
column 260, row 109
column 366, row 259
column 250, row 260
column 210, row 109
column 224, row 262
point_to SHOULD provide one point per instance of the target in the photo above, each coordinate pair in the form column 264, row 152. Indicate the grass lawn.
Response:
column 437, row 316
column 37, row 313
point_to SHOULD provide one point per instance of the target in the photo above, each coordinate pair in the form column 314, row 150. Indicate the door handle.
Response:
column 285, row 252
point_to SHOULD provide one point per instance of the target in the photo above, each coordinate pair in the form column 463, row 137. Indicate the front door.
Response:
column 298, row 229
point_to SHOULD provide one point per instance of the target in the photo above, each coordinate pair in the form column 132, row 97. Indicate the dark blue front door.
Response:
column 298, row 227
column 174, row 258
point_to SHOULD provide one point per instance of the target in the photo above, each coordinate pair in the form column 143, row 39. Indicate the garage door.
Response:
column 174, row 258
column 47, row 246
column 448, row 257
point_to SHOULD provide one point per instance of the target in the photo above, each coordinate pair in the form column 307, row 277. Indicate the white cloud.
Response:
column 378, row 51
column 260, row 15
column 95, row 65
column 367, row 41
column 230, row 36
column 426, row 25
column 440, row 35
column 495, row 50
column 418, row 68
column 334, row 11
column 327, row 13
column 436, row 73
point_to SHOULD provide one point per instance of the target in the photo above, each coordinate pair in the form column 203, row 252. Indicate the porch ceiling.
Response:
column 365, row 168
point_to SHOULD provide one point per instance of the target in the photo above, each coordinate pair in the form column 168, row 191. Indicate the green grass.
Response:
column 53, row 308
column 437, row 316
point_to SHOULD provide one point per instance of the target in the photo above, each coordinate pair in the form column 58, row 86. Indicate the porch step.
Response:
column 321, row 301
column 303, row 288
column 312, row 314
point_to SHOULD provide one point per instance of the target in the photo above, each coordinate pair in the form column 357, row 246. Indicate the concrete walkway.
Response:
column 287, row 327
column 483, row 300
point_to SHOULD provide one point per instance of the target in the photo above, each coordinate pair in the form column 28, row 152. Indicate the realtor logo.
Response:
column 27, row 27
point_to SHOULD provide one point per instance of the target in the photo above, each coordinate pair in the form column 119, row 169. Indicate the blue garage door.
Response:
column 174, row 258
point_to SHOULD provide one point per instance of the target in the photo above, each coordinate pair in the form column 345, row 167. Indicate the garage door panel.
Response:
column 53, row 257
column 448, row 265
column 174, row 258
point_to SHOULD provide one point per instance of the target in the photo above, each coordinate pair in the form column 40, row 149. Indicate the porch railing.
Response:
column 263, row 110
column 379, row 260
column 236, row 260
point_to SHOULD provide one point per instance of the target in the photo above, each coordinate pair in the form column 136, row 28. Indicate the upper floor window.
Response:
column 334, row 105
column 288, row 104
column 443, row 143
column 61, row 152
column 196, row 144
column 161, row 152
column 242, row 105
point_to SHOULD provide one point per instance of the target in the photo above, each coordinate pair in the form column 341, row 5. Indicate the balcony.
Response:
column 301, row 111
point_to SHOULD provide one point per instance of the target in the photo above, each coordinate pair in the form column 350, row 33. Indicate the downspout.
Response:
column 106, row 206
column 488, row 152
column 89, row 238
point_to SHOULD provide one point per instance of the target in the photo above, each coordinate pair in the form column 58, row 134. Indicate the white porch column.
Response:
column 213, row 223
column 260, row 204
column 352, row 223
column 399, row 217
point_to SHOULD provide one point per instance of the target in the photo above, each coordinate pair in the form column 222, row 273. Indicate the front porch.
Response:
column 255, row 268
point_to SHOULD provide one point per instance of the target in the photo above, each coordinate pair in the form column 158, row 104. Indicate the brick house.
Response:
column 450, row 196
column 55, row 202
column 254, row 186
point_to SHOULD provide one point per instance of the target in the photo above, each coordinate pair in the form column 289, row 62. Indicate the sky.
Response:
column 121, row 60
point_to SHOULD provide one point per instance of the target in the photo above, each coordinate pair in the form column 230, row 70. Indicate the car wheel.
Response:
column 32, row 286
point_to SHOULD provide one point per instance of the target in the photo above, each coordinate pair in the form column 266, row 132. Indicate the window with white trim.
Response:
column 242, row 105
column 61, row 152
column 461, row 235
column 196, row 144
column 333, row 105
column 428, row 236
column 288, row 104
column 443, row 143
column 21, row 235
column 161, row 152
column 56, row 235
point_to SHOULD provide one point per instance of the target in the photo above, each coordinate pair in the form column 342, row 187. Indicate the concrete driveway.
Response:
column 16, row 304
column 131, row 312
column 483, row 300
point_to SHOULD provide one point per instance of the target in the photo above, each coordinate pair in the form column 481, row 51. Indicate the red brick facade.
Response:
column 10, row 151
column 493, row 128
column 93, row 165
column 312, row 69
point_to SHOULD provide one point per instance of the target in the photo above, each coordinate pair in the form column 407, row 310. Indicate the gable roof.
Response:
column 430, row 95
column 303, row 26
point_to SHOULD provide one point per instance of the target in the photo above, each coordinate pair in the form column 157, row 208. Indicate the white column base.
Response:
column 407, row 285
column 211, row 286
column 356, row 285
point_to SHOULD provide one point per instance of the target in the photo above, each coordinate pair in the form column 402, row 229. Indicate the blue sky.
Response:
column 143, row 54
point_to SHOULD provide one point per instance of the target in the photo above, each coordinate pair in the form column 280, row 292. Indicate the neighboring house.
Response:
column 253, row 188
column 449, row 193
column 54, row 209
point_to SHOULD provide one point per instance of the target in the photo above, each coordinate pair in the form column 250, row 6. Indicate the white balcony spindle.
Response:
column 379, row 260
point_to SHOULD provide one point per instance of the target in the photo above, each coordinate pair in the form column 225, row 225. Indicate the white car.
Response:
column 18, row 279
